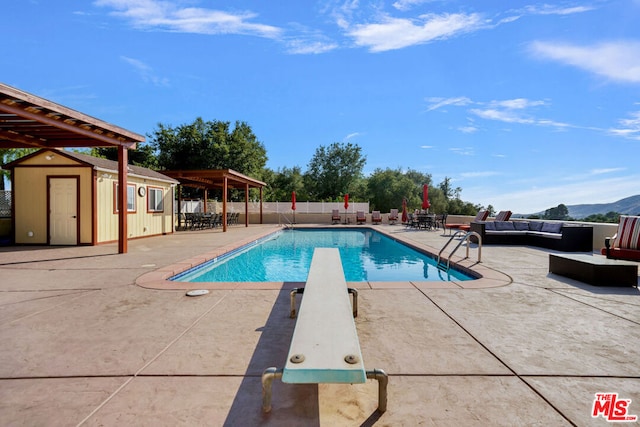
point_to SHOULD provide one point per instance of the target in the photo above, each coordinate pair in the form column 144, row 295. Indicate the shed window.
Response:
column 155, row 201
column 131, row 197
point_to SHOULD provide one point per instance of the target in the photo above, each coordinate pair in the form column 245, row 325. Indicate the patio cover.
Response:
column 219, row 178
column 28, row 121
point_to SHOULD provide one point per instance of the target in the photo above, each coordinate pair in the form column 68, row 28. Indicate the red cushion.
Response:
column 630, row 254
column 628, row 233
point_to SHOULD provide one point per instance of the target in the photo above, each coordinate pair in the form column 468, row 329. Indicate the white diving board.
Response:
column 325, row 346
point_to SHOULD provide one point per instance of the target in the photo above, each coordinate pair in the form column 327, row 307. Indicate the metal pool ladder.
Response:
column 467, row 235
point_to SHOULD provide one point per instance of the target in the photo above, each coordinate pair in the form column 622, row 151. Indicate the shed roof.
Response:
column 99, row 163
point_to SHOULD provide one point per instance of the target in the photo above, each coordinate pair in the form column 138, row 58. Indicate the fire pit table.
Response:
column 594, row 269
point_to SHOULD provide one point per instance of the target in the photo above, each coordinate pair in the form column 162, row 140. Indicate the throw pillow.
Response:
column 521, row 225
column 551, row 227
column 504, row 226
column 535, row 226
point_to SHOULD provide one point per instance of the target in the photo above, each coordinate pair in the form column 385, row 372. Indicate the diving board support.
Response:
column 325, row 346
column 300, row 291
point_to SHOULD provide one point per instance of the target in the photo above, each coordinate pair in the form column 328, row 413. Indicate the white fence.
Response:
column 276, row 207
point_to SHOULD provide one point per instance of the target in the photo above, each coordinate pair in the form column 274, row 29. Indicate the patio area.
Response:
column 84, row 343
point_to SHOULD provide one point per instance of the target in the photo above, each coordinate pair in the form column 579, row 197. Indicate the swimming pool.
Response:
column 285, row 256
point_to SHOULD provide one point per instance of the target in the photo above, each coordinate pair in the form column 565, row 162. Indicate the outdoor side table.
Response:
column 594, row 269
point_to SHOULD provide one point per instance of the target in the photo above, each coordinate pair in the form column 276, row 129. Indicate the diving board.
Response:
column 325, row 346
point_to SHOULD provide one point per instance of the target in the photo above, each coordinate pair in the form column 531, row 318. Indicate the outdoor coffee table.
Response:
column 594, row 269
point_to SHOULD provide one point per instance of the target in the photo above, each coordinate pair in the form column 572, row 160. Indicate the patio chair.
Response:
column 335, row 216
column 393, row 216
column 625, row 244
column 360, row 217
column 376, row 218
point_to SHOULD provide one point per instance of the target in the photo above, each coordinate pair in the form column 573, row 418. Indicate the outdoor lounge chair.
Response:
column 360, row 217
column 481, row 216
column 503, row 216
column 376, row 218
column 393, row 216
column 625, row 244
column 335, row 216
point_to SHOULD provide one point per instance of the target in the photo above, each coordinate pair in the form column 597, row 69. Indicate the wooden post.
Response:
column 224, row 204
column 122, row 199
column 246, row 205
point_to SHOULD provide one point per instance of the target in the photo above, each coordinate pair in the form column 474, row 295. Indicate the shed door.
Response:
column 63, row 214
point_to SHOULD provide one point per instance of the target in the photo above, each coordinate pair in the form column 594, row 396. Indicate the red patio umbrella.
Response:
column 425, row 197
column 346, row 206
column 405, row 216
column 293, row 205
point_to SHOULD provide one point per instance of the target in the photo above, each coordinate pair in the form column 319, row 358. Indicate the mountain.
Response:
column 626, row 206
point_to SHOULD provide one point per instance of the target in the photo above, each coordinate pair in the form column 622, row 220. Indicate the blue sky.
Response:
column 524, row 105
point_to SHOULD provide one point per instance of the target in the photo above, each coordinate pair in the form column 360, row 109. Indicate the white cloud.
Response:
column 164, row 15
column 437, row 103
column 396, row 33
column 146, row 72
column 305, row 47
column 629, row 128
column 547, row 9
column 351, row 136
column 516, row 104
column 515, row 111
column 468, row 129
column 617, row 61
column 604, row 171
column 405, row 5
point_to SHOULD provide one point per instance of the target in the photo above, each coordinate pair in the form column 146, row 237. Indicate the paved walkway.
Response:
column 84, row 344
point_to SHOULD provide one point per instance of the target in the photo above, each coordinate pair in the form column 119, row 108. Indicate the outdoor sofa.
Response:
column 551, row 235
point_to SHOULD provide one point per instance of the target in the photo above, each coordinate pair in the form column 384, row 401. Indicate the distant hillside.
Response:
column 626, row 206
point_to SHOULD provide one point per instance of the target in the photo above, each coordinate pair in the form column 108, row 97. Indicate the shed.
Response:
column 68, row 198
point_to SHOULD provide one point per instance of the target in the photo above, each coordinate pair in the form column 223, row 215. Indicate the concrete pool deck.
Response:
column 84, row 344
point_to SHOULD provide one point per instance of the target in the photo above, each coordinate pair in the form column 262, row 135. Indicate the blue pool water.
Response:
column 285, row 256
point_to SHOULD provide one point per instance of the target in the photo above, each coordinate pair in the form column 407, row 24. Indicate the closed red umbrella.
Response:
column 293, row 205
column 346, row 206
column 425, row 197
column 405, row 216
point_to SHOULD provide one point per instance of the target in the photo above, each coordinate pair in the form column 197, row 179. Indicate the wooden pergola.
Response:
column 218, row 179
column 28, row 121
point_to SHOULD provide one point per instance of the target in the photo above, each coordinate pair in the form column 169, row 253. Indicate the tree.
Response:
column 334, row 171
column 561, row 212
column 143, row 155
column 387, row 187
column 282, row 182
column 8, row 155
column 209, row 145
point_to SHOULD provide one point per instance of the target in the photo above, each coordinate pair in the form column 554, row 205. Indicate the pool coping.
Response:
column 159, row 278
